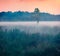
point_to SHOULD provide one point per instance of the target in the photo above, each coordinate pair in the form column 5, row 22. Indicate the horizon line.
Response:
column 28, row 12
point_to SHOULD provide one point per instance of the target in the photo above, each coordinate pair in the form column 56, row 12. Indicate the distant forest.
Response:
column 27, row 16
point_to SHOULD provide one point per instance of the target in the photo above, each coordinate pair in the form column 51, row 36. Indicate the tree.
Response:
column 36, row 11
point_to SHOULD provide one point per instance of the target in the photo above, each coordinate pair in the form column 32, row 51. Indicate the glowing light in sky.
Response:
column 49, row 6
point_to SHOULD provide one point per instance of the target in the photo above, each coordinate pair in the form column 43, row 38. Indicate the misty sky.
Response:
column 49, row 6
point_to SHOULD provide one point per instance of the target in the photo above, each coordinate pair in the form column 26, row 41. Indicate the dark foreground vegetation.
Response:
column 17, row 43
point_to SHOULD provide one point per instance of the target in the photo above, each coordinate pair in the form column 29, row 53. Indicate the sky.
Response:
column 48, row 6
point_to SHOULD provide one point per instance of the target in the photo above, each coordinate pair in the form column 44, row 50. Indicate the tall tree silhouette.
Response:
column 36, row 11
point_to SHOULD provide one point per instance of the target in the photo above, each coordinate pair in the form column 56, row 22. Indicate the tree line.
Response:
column 27, row 16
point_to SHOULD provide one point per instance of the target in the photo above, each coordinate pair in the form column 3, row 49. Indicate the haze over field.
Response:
column 31, row 23
column 48, row 27
column 30, row 38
